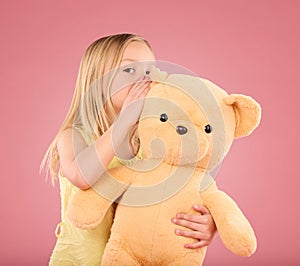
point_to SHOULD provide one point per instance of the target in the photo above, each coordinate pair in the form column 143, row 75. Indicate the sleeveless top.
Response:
column 76, row 246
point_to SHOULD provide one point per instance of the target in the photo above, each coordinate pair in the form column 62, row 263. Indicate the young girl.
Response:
column 94, row 125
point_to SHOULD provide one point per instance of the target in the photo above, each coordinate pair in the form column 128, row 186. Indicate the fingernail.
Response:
column 174, row 220
column 196, row 206
column 177, row 232
column 179, row 215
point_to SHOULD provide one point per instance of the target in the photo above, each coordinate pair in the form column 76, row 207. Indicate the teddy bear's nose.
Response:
column 181, row 130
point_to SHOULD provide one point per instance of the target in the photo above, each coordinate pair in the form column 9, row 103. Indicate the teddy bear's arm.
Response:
column 233, row 227
column 88, row 207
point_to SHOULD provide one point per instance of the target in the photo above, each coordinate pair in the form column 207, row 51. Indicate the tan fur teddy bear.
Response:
column 186, row 128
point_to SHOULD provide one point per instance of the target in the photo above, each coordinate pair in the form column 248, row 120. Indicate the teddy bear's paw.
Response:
column 87, row 209
column 242, row 243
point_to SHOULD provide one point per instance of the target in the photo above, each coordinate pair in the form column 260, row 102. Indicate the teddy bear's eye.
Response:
column 208, row 129
column 163, row 117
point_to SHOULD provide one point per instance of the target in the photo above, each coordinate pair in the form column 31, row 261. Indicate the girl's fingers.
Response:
column 192, row 234
column 190, row 224
column 203, row 239
column 200, row 219
column 143, row 88
column 201, row 227
column 140, row 81
column 135, row 86
column 140, row 91
column 201, row 209
column 199, row 244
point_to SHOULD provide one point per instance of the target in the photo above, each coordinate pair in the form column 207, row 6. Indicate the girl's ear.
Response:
column 247, row 113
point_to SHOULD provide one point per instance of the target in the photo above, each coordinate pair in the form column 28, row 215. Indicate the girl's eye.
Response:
column 147, row 72
column 129, row 70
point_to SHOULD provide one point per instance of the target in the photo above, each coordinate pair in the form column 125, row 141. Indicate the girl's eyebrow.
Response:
column 128, row 59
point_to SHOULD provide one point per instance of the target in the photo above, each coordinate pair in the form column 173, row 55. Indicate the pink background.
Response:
column 249, row 47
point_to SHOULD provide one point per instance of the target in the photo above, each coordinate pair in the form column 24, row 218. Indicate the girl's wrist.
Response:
column 121, row 136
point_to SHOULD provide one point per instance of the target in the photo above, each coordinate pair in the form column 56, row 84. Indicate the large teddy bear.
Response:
column 186, row 128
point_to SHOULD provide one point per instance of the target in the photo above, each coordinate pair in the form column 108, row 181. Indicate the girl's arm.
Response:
column 83, row 165
column 203, row 227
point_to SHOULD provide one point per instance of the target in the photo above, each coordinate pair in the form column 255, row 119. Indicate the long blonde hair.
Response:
column 86, row 110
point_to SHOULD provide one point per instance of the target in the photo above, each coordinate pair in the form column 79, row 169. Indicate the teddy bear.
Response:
column 186, row 128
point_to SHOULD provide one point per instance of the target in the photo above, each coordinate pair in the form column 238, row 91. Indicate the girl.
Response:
column 89, row 130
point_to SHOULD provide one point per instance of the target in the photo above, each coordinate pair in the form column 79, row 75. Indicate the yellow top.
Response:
column 76, row 246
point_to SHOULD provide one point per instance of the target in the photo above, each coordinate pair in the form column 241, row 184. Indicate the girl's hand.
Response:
column 203, row 227
column 134, row 101
column 130, row 112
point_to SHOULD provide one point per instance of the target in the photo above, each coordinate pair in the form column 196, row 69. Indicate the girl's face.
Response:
column 135, row 63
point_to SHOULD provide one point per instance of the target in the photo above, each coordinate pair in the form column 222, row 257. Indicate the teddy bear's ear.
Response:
column 247, row 113
column 157, row 75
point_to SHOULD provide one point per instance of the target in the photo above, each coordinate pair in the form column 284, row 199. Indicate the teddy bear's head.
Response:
column 188, row 120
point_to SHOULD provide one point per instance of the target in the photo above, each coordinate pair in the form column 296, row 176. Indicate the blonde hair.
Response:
column 87, row 111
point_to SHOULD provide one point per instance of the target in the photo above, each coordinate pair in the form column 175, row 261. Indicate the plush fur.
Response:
column 180, row 154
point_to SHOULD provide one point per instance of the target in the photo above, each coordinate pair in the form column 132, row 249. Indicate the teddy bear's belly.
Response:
column 148, row 230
